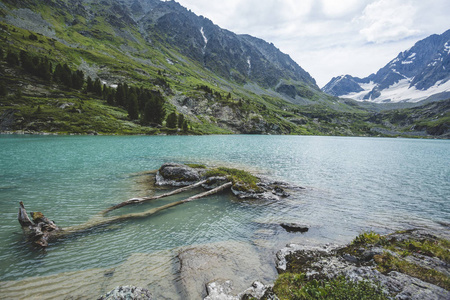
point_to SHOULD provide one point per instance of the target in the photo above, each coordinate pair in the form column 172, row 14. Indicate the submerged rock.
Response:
column 127, row 293
column 218, row 263
column 294, row 227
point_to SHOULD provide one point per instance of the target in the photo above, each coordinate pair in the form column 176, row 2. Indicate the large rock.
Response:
column 177, row 175
column 234, row 266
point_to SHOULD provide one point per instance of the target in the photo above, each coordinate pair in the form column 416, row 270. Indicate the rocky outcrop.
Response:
column 221, row 290
column 361, row 262
column 174, row 174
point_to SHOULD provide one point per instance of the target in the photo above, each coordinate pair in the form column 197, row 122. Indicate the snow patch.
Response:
column 412, row 56
column 447, row 48
column 205, row 39
column 204, row 36
column 401, row 91
column 367, row 87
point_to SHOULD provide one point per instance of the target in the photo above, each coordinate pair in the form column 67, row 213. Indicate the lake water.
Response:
column 352, row 185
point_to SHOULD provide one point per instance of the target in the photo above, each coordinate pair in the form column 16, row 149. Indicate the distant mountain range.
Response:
column 422, row 72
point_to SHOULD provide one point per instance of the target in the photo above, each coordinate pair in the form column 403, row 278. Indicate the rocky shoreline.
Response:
column 421, row 272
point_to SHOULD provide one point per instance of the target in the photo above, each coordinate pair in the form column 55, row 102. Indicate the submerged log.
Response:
column 105, row 221
column 144, row 199
column 41, row 229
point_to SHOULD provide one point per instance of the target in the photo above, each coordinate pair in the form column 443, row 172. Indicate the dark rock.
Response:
column 177, row 175
column 350, row 258
column 280, row 192
column 293, row 227
column 128, row 293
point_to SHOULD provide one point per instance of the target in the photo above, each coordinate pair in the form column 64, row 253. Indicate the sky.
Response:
column 329, row 38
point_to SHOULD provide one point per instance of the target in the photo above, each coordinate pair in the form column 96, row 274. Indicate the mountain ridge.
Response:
column 414, row 75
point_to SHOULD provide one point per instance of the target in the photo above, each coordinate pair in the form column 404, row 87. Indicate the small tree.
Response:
column 171, row 121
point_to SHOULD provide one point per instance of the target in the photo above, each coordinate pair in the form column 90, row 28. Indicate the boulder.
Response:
column 177, row 175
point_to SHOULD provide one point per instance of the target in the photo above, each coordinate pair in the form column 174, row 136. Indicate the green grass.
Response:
column 290, row 286
column 388, row 262
column 368, row 238
column 242, row 180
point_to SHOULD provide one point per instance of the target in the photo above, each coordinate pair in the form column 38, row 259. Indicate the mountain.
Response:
column 415, row 74
column 154, row 67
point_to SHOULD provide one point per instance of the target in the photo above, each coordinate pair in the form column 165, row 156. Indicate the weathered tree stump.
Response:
column 40, row 229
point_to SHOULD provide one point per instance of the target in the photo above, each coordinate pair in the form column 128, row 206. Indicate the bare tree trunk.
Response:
column 42, row 228
column 144, row 199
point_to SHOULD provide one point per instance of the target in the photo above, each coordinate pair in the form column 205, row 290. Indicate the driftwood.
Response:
column 41, row 229
column 144, row 199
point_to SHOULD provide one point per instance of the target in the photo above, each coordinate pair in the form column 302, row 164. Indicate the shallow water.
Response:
column 352, row 185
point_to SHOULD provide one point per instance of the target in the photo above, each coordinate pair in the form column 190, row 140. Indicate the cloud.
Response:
column 329, row 37
column 388, row 20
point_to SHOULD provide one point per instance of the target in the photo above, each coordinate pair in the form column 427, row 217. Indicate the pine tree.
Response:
column 120, row 95
column 97, row 87
column 154, row 111
column 171, row 121
column 185, row 126
column 1, row 54
column 89, row 85
column 180, row 120
column 133, row 107
column 78, row 79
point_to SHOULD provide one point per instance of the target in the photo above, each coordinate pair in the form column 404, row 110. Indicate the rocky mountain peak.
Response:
column 414, row 75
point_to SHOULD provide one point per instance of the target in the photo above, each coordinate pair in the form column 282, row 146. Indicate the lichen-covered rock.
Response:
column 127, row 293
column 177, row 175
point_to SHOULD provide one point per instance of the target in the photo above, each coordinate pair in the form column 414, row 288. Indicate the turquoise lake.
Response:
column 351, row 185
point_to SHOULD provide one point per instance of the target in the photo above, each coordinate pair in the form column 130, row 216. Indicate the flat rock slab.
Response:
column 232, row 260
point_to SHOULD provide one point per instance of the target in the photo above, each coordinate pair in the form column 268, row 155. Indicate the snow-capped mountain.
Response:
column 414, row 75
